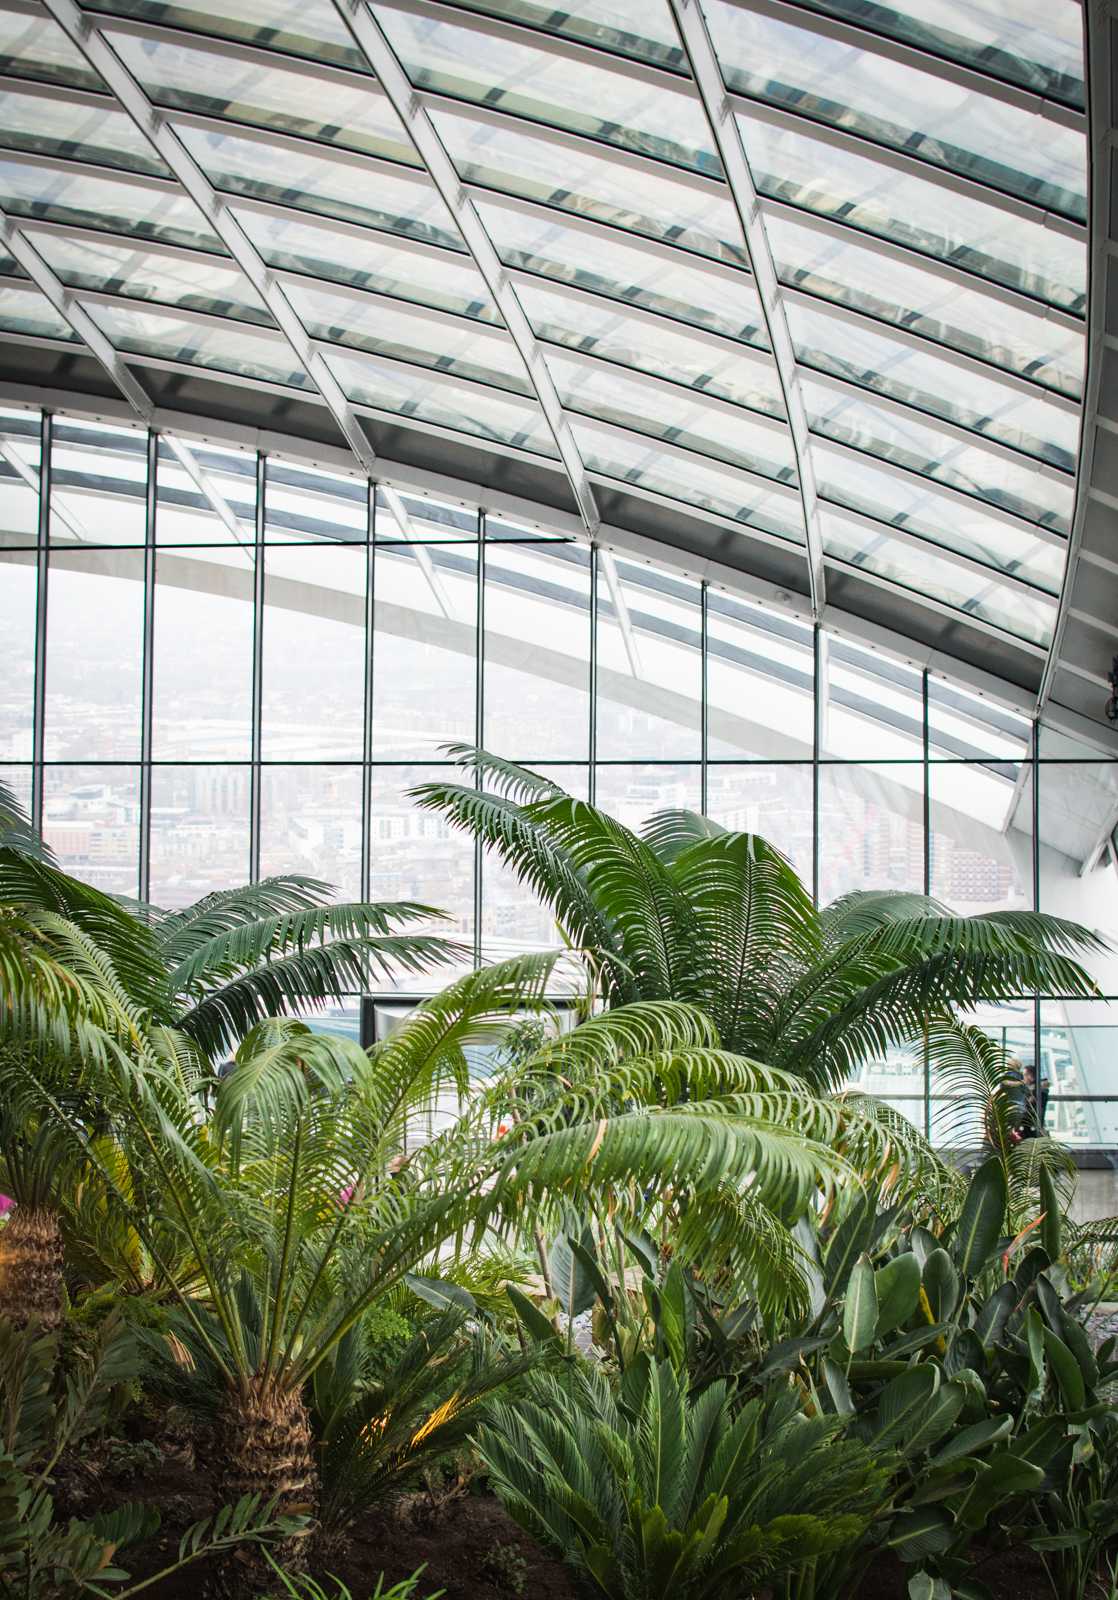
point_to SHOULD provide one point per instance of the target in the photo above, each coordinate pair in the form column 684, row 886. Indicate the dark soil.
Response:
column 450, row 1541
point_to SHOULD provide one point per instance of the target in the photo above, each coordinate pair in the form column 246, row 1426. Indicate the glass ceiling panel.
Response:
column 606, row 264
column 809, row 172
column 914, row 297
column 1035, row 43
column 742, row 440
column 364, row 261
column 89, row 202
column 928, row 573
column 919, row 112
column 461, row 407
column 1012, row 485
column 196, row 283
column 748, row 379
column 920, row 510
column 36, row 47
column 230, row 349
column 49, row 126
column 302, row 27
column 513, row 76
column 394, row 201
column 385, row 328
column 690, row 479
column 29, row 312
column 639, row 28
column 931, row 383
column 351, row 114
column 642, row 199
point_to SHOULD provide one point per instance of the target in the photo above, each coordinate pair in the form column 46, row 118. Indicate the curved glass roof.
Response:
column 809, row 276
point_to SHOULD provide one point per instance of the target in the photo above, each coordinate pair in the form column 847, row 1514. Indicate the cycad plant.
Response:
column 689, row 911
column 653, row 1492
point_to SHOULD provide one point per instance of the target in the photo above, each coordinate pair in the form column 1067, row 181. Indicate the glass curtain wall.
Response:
column 219, row 667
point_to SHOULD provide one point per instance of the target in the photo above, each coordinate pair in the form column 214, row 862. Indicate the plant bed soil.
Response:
column 450, row 1541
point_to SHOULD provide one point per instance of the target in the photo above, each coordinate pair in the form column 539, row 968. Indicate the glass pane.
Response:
column 75, row 131
column 206, row 495
column 342, row 111
column 537, row 652
column 586, row 257
column 1018, row 486
column 314, row 653
column 302, row 504
column 650, row 667
column 772, row 801
column 917, row 212
column 229, row 348
column 918, row 509
column 407, row 270
column 871, row 829
column 923, row 570
column 1078, row 810
column 419, row 520
column 965, row 724
column 586, row 325
column 640, row 28
column 300, row 27
column 202, row 667
column 416, row 855
column 98, row 484
column 923, row 113
column 1036, row 43
column 199, row 832
column 315, row 181
column 549, row 87
column 310, row 823
column 107, row 204
column 634, row 793
column 975, row 865
column 594, row 183
column 484, row 413
column 424, row 652
column 36, row 47
column 514, row 919
column 91, row 820
column 1077, row 1045
column 386, row 328
column 873, row 360
column 760, row 682
column 18, row 780
column 95, row 640
column 874, row 707
column 743, row 439
column 915, row 297
column 18, row 591
column 691, row 479
column 19, row 478
column 28, row 312
column 195, row 284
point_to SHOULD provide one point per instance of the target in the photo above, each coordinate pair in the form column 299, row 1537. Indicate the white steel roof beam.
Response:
column 374, row 44
column 153, row 123
column 708, row 79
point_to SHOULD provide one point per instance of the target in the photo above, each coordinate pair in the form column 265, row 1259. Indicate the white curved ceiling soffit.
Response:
column 807, row 280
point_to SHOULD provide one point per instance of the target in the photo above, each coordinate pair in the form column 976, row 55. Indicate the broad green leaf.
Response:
column 442, row 1295
column 535, row 1323
column 838, row 1387
column 983, row 1217
column 898, row 1292
column 924, row 1587
column 1066, row 1368
column 1034, row 1330
column 902, row 1402
column 1051, row 1226
column 972, row 1439
column 994, row 1316
column 1003, row 1475
column 938, row 1416
column 941, row 1285
column 859, row 1313
column 922, row 1533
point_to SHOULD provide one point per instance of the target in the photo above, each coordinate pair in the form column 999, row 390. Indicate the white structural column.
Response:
column 373, row 43
column 82, row 29
column 708, row 79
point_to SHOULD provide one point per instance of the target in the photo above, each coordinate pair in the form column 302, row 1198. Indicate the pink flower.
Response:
column 6, row 1204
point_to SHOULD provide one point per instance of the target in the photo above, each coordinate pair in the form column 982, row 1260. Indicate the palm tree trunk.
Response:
column 31, row 1268
column 263, row 1445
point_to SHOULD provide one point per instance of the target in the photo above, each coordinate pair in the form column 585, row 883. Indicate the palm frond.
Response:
column 672, row 831
column 16, row 832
